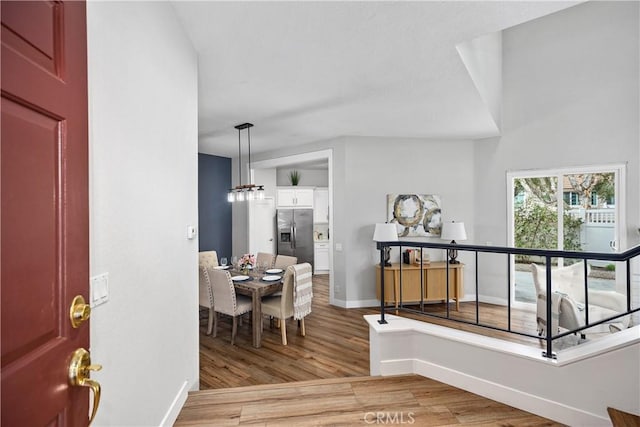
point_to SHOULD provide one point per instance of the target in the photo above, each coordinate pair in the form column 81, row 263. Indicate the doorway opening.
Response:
column 305, row 158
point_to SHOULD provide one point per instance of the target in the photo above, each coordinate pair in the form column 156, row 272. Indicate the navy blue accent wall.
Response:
column 214, row 181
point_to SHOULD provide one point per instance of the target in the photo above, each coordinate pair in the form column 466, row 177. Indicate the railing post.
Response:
column 381, row 321
column 398, row 301
column 586, row 292
column 477, row 295
column 628, row 285
column 508, row 292
column 447, row 287
column 421, row 279
column 549, row 352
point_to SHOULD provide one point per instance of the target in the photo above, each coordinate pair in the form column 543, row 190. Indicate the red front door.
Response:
column 44, row 216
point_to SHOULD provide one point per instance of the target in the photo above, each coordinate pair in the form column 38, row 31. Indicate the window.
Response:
column 571, row 198
column 566, row 209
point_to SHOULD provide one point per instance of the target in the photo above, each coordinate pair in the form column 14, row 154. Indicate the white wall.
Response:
column 376, row 167
column 365, row 170
column 570, row 98
column 143, row 176
column 267, row 177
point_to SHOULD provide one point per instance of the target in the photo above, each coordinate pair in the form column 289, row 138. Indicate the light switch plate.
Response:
column 338, row 247
column 99, row 289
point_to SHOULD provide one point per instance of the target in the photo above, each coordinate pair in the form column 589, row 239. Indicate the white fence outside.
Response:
column 597, row 230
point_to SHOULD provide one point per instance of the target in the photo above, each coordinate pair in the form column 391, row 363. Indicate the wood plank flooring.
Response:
column 409, row 399
column 322, row 379
column 336, row 345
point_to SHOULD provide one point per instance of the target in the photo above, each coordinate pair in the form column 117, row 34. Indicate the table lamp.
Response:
column 386, row 233
column 453, row 231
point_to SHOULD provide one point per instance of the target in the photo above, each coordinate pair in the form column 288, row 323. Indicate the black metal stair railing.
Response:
column 548, row 255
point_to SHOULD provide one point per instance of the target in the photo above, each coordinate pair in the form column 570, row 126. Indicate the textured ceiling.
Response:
column 309, row 71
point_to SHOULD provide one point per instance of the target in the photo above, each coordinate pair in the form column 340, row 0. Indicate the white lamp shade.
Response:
column 385, row 233
column 453, row 231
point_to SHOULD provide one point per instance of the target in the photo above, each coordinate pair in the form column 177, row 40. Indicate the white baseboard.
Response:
column 171, row 416
column 338, row 302
column 355, row 304
column 364, row 303
column 491, row 390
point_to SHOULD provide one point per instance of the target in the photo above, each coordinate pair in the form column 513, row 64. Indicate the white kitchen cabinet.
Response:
column 321, row 205
column 321, row 258
column 295, row 197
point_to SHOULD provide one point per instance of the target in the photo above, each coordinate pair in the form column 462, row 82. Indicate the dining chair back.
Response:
column 284, row 261
column 226, row 301
column 206, row 295
column 295, row 300
column 208, row 258
column 264, row 259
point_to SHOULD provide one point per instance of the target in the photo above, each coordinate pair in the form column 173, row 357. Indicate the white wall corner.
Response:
column 174, row 409
column 482, row 57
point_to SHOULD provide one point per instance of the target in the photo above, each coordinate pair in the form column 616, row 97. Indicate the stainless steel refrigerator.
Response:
column 295, row 233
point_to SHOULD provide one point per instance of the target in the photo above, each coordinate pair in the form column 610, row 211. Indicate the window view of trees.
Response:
column 587, row 223
column 536, row 209
column 536, row 217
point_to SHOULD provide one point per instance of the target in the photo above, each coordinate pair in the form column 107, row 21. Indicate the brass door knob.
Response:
column 80, row 368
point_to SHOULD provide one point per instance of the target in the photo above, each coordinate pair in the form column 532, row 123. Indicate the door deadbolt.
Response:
column 79, row 312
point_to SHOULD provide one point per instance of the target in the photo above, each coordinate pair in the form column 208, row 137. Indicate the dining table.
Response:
column 257, row 287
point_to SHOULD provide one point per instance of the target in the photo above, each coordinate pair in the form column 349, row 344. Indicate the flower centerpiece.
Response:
column 247, row 262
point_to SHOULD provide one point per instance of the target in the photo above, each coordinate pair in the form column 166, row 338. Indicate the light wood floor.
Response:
column 407, row 400
column 336, row 343
column 322, row 379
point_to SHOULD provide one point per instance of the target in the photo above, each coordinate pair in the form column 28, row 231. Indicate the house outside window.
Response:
column 571, row 198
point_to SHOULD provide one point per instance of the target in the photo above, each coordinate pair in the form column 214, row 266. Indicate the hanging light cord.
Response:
column 249, row 143
column 239, row 161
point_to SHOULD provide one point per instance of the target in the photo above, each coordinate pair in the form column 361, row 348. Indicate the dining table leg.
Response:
column 256, row 319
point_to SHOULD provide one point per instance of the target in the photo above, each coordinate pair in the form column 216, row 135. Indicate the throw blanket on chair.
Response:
column 556, row 300
column 302, row 290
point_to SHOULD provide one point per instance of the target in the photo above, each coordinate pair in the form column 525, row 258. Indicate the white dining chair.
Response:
column 284, row 261
column 295, row 300
column 265, row 259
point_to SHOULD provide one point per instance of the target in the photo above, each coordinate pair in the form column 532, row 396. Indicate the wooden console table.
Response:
column 434, row 279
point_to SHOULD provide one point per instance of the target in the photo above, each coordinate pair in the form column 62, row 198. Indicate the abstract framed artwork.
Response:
column 415, row 215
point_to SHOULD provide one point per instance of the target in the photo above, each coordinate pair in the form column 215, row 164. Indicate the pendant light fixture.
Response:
column 248, row 191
